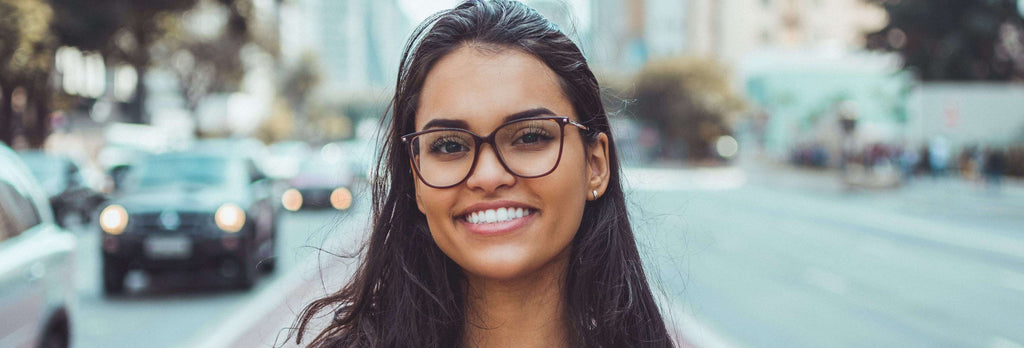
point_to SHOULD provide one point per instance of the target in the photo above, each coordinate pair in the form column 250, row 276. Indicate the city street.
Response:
column 801, row 174
column 756, row 256
column 178, row 311
column 792, row 259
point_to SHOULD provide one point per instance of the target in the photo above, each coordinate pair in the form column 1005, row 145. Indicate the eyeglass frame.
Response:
column 490, row 139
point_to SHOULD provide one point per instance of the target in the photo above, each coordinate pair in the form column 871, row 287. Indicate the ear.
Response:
column 598, row 166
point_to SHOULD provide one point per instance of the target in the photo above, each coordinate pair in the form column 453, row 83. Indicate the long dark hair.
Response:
column 407, row 292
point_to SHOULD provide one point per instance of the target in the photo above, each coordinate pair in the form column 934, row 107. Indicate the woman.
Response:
column 499, row 217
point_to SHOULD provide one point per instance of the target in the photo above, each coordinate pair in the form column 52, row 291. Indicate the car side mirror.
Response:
column 257, row 177
column 117, row 175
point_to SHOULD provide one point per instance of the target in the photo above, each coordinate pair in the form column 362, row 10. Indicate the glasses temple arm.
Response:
column 580, row 125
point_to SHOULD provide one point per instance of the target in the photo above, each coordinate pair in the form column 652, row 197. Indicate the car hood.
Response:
column 320, row 181
column 181, row 198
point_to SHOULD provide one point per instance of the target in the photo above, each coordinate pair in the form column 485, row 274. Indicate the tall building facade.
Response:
column 626, row 34
column 358, row 42
column 731, row 29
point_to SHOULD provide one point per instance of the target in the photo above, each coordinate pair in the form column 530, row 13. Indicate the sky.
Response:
column 418, row 10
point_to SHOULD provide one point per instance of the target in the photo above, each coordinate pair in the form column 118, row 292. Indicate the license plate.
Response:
column 168, row 247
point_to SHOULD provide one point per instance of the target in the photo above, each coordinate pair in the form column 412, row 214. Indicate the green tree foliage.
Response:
column 122, row 30
column 207, row 63
column 955, row 39
column 300, row 81
column 26, row 51
column 690, row 102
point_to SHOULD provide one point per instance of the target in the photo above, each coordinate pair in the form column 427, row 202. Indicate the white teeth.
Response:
column 491, row 216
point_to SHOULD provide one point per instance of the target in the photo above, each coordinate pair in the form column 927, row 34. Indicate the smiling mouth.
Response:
column 491, row 216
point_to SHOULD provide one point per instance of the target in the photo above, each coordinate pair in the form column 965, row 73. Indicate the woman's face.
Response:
column 479, row 88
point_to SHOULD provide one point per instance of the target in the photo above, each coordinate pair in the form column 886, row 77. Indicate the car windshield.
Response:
column 43, row 167
column 320, row 168
column 188, row 170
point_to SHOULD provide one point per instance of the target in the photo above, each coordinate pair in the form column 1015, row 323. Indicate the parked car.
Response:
column 190, row 211
column 73, row 201
column 319, row 184
column 284, row 158
column 36, row 262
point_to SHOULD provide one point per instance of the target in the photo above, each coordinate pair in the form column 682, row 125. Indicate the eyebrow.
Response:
column 449, row 123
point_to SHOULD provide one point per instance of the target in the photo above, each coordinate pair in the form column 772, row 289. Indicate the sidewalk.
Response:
column 949, row 196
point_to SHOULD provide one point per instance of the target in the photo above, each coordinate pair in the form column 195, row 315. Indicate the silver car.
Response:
column 35, row 262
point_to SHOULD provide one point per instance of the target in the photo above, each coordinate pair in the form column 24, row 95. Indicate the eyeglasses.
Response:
column 527, row 148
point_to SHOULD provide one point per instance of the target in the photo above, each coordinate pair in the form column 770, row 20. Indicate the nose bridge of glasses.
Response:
column 491, row 159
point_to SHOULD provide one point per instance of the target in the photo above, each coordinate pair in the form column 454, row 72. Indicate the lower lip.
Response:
column 497, row 228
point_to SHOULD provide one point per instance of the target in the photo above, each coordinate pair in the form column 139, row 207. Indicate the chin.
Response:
column 493, row 266
column 497, row 269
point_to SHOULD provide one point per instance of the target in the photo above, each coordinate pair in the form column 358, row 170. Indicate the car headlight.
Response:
column 341, row 198
column 291, row 200
column 229, row 217
column 113, row 219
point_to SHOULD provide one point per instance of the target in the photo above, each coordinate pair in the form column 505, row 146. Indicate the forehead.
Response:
column 483, row 86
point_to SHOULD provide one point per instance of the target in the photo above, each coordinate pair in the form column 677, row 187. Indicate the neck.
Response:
column 527, row 312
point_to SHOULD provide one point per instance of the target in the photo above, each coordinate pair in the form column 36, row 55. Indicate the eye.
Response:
column 448, row 145
column 532, row 135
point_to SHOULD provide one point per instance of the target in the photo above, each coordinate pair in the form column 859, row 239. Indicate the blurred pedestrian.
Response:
column 924, row 165
column 908, row 159
column 994, row 168
column 938, row 155
column 499, row 218
column 967, row 162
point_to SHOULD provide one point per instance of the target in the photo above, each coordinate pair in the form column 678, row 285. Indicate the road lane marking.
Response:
column 685, row 329
column 826, row 280
column 660, row 179
column 231, row 328
column 915, row 227
column 1003, row 342
column 1012, row 280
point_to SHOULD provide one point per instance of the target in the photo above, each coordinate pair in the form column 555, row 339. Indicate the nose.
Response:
column 489, row 174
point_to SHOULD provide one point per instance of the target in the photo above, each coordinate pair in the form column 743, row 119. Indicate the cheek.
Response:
column 436, row 205
column 433, row 202
column 565, row 192
column 570, row 178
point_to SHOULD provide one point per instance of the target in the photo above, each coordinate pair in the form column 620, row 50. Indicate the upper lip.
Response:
column 493, row 205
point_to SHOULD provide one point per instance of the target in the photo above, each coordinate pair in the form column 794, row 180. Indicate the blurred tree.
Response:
column 279, row 126
column 690, row 102
column 955, row 39
column 209, row 60
column 122, row 30
column 26, row 59
column 300, row 81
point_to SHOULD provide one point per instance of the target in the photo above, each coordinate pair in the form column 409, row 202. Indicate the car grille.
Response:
column 196, row 223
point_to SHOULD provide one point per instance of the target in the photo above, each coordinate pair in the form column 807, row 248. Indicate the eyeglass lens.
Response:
column 528, row 148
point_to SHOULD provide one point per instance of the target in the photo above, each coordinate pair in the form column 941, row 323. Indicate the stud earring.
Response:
column 595, row 194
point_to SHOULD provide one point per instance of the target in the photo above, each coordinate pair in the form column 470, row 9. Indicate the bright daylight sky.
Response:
column 418, row 10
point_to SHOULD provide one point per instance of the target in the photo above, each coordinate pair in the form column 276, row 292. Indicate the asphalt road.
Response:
column 752, row 257
column 187, row 311
column 799, row 261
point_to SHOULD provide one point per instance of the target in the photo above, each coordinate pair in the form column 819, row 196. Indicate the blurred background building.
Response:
column 358, row 42
column 776, row 76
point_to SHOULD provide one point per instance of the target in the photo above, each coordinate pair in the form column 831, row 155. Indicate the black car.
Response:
column 319, row 184
column 71, row 199
column 190, row 211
